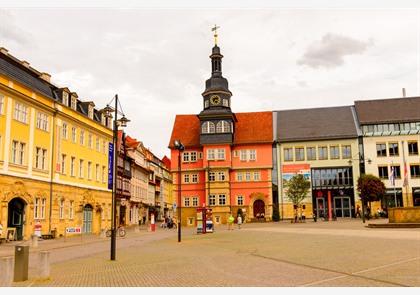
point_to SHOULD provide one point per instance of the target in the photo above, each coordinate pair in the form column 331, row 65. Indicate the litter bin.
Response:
column 21, row 263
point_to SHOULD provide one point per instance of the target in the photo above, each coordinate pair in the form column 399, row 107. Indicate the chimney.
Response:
column 25, row 63
column 45, row 77
column 3, row 50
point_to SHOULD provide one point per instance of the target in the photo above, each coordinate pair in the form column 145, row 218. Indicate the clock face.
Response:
column 215, row 99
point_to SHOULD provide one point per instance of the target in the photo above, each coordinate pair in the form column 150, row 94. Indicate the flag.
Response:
column 392, row 176
column 405, row 174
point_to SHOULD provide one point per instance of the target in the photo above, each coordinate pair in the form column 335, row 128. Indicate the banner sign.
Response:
column 110, row 166
column 74, row 230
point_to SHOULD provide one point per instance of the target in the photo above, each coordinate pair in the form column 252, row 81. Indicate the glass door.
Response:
column 342, row 207
column 320, row 207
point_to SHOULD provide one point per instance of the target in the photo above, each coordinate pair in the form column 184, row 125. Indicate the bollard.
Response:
column 34, row 241
column 44, row 264
column 6, row 273
column 21, row 263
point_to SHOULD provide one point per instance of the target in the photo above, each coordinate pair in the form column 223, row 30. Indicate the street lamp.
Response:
column 361, row 172
column 107, row 111
column 180, row 147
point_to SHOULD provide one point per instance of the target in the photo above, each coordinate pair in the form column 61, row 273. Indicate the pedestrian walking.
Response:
column 230, row 222
column 239, row 221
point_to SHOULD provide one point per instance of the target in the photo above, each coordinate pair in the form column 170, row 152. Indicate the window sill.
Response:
column 18, row 165
column 40, row 170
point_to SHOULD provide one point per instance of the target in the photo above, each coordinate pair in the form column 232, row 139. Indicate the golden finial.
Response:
column 214, row 29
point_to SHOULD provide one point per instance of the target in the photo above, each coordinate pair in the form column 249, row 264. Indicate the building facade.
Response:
column 227, row 161
column 391, row 138
column 53, row 155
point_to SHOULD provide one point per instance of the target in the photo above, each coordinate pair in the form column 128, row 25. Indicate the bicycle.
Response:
column 120, row 232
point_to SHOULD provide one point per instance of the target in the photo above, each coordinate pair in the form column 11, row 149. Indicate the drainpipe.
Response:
column 52, row 167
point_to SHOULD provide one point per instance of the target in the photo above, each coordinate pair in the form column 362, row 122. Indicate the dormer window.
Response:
column 223, row 127
column 90, row 111
column 208, row 127
column 109, row 122
column 74, row 103
column 103, row 119
column 65, row 98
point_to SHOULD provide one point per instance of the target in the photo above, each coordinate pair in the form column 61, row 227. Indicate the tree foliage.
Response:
column 370, row 188
column 297, row 189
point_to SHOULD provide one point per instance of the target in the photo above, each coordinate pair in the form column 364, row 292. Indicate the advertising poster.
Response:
column 288, row 171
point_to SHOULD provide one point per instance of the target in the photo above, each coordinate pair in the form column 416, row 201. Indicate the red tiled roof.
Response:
column 256, row 127
column 167, row 162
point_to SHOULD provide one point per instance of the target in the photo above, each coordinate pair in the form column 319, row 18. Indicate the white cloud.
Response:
column 330, row 51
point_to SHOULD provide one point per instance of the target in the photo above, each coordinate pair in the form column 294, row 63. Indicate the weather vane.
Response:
column 214, row 29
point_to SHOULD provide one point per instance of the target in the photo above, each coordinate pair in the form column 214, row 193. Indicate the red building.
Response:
column 227, row 160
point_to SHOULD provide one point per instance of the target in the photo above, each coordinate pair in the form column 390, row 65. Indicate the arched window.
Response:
column 223, row 127
column 207, row 127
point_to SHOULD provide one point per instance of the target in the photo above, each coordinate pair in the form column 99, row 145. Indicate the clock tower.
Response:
column 216, row 119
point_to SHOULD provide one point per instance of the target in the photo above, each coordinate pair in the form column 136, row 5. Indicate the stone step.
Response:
column 393, row 225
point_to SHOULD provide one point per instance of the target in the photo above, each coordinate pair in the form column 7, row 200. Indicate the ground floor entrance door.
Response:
column 87, row 219
column 259, row 209
column 342, row 206
column 16, row 216
column 320, row 208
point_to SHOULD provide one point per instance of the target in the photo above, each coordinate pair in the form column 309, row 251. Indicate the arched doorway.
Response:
column 16, row 216
column 87, row 218
column 259, row 209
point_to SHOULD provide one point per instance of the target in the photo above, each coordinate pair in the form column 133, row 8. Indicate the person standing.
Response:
column 230, row 222
column 239, row 221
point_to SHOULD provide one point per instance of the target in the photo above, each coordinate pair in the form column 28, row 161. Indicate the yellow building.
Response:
column 53, row 155
column 323, row 145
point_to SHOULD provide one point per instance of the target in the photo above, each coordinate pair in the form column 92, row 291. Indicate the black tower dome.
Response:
column 216, row 82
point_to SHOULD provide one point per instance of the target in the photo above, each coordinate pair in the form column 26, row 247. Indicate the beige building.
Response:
column 391, row 138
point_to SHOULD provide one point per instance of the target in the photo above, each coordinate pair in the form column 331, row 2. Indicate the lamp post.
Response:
column 123, row 123
column 180, row 147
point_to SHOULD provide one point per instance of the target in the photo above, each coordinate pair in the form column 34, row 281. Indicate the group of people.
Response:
column 168, row 222
column 380, row 212
column 231, row 220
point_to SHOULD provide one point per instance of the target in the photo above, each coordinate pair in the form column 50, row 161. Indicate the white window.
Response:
column 208, row 127
column 195, row 201
column 82, row 137
column 252, row 155
column 103, row 146
column 63, row 163
column 206, row 103
column 21, row 113
column 186, row 202
column 71, row 210
column 90, row 111
column 220, row 154
column 18, row 152
column 97, row 172
column 194, row 178
column 186, row 178
column 219, row 127
column 61, row 209
column 222, row 199
column 89, row 170
column 40, row 156
column 257, row 176
column 193, row 156
column 73, row 103
column 42, row 209
column 1, row 104
column 212, row 176
column 73, row 134
column 37, row 204
column 212, row 200
column 97, row 144
column 239, row 176
column 65, row 98
column 240, row 200
column 221, row 176
column 185, row 156
column 64, row 130
column 243, row 155
column 81, row 168
column 103, row 174
column 72, row 163
column 247, row 176
column 42, row 121
column 225, row 102
column 210, row 154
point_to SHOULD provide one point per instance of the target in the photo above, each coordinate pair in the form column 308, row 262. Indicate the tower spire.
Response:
column 214, row 29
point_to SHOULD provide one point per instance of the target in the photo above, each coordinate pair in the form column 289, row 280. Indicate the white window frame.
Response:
column 243, row 155
column 71, row 210
column 72, row 165
column 63, row 163
column 239, row 176
column 74, row 103
column 240, row 200
column 81, row 168
column 211, row 154
column 247, row 176
column 257, row 176
column 221, row 176
column 61, row 208
column 212, row 200
column 42, row 208
column 195, row 201
column 212, row 176
column 21, row 112
column 185, row 157
column 186, row 178
column 194, row 178
column 64, row 130
column 221, row 200
column 193, row 156
column 42, row 121
column 252, row 155
column 82, row 137
column 221, row 155
column 65, row 98
column 186, row 201
column 73, row 134
column 37, row 205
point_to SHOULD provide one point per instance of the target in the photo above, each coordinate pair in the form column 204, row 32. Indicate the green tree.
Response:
column 276, row 213
column 297, row 189
column 370, row 188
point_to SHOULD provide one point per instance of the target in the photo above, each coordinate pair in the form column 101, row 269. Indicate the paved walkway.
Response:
column 342, row 253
